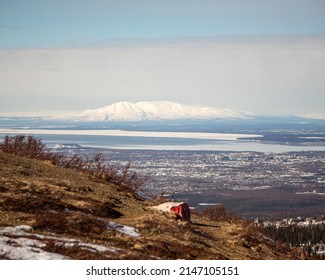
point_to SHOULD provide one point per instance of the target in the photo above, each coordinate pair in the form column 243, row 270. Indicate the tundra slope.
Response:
column 68, row 214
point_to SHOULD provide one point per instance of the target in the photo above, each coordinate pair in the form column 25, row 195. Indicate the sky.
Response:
column 256, row 55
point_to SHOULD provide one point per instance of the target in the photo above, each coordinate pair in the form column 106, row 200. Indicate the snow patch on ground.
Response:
column 18, row 243
column 122, row 229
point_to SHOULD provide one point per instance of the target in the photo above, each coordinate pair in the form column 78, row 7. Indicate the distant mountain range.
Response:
column 155, row 110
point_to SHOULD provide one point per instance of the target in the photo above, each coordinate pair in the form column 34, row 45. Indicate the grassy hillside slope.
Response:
column 72, row 213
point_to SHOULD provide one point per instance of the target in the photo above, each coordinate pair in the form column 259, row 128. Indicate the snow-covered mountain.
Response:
column 155, row 110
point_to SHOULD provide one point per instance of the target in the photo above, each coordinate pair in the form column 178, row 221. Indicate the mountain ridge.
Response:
column 154, row 110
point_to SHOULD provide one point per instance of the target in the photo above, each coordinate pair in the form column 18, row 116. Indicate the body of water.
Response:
column 138, row 140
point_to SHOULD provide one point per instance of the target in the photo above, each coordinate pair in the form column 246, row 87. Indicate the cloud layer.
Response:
column 270, row 74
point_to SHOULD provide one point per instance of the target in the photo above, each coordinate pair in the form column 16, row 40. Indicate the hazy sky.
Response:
column 256, row 55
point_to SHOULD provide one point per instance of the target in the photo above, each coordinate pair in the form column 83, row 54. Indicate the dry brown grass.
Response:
column 31, row 147
column 77, row 224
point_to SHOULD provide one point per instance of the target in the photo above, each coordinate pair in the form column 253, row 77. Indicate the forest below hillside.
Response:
column 310, row 239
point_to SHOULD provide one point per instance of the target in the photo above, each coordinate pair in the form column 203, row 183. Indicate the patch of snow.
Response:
column 17, row 244
column 24, row 228
column 86, row 246
column 122, row 229
column 12, row 246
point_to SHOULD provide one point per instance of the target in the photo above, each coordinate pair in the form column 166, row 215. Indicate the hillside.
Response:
column 48, row 212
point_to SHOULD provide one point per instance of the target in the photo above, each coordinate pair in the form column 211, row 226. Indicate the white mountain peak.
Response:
column 156, row 110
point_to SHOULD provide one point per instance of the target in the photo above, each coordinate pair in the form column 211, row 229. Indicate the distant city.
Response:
column 250, row 184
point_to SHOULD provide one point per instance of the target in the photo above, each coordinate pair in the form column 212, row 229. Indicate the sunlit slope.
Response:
column 61, row 205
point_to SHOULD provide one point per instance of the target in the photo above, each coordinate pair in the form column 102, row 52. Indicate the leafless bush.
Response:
column 123, row 177
column 21, row 145
column 218, row 213
column 28, row 146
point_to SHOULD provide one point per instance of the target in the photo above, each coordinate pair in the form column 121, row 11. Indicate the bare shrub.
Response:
column 218, row 213
column 28, row 146
column 52, row 221
column 124, row 177
column 21, row 145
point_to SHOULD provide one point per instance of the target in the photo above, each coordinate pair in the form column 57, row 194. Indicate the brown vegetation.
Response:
column 31, row 147
column 218, row 213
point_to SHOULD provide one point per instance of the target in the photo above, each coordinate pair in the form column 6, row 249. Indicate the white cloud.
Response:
column 269, row 74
